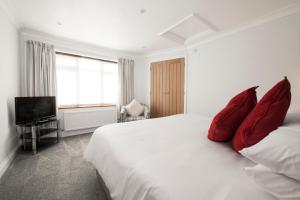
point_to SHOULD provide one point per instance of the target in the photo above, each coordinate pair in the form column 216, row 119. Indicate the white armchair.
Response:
column 125, row 117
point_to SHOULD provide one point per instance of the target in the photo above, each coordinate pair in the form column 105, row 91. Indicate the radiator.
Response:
column 85, row 118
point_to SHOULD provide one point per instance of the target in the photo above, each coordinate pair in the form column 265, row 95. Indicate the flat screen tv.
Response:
column 34, row 109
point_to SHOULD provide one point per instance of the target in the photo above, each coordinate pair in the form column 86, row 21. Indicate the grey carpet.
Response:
column 58, row 171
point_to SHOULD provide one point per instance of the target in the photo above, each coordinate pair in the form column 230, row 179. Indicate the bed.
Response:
column 169, row 158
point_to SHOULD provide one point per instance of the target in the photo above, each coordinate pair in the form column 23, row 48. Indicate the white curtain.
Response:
column 40, row 69
column 126, row 81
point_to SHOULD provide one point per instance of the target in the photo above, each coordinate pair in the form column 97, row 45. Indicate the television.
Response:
column 34, row 109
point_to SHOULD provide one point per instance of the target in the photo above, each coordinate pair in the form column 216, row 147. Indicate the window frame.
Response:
column 73, row 106
column 63, row 107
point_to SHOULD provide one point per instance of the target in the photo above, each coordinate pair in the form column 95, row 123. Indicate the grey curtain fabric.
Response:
column 40, row 69
column 126, row 81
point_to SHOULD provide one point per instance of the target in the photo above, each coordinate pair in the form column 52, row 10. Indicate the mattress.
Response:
column 169, row 158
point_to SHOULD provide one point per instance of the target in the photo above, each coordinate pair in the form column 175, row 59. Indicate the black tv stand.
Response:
column 37, row 132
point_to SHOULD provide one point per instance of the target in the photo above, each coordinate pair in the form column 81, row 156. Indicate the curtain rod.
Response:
column 74, row 55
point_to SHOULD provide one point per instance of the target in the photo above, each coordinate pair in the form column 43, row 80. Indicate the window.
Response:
column 85, row 81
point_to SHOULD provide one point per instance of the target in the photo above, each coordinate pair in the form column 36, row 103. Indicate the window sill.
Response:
column 63, row 107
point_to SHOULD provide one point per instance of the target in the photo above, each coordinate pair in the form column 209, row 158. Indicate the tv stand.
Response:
column 37, row 132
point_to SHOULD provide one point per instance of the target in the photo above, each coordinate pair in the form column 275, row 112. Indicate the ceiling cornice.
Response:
column 176, row 50
column 72, row 46
column 8, row 12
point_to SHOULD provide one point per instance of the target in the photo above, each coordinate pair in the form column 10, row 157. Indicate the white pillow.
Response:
column 134, row 108
column 278, row 185
column 279, row 151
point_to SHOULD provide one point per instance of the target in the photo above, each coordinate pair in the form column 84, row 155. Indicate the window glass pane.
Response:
column 66, row 61
column 110, row 81
column 110, row 88
column 89, row 81
column 66, row 90
column 110, row 67
column 86, row 81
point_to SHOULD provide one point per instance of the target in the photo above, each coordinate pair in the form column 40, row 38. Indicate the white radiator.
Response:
column 85, row 118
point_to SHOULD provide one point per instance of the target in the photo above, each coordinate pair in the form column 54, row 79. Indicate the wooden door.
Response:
column 167, row 87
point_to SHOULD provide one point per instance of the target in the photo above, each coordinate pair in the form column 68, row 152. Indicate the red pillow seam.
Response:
column 262, row 116
column 246, row 99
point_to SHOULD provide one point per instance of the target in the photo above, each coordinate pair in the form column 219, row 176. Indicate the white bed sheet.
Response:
column 169, row 158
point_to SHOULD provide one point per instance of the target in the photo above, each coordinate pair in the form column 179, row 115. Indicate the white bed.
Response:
column 169, row 159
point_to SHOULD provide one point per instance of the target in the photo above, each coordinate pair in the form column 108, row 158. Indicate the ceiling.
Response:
column 134, row 25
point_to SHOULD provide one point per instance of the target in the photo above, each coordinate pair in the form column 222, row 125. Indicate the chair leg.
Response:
column 58, row 131
column 33, row 132
column 23, row 140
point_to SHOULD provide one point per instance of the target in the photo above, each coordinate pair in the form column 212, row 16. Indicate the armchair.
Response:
column 125, row 117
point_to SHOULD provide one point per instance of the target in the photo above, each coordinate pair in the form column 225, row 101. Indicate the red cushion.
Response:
column 267, row 115
column 226, row 122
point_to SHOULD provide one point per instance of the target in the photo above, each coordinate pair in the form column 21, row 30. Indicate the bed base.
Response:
column 103, row 185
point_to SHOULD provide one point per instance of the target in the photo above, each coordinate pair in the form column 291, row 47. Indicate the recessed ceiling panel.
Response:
column 188, row 27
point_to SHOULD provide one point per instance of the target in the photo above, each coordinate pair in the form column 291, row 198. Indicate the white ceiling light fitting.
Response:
column 189, row 27
column 142, row 11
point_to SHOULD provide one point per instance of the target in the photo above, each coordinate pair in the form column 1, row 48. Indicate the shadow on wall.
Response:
column 12, row 141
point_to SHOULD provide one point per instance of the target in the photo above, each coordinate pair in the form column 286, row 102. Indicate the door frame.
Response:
column 185, row 79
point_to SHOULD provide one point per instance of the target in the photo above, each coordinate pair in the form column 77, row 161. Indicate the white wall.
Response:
column 258, row 56
column 140, row 80
column 9, row 88
column 219, row 69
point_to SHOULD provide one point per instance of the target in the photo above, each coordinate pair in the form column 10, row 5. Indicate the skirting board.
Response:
column 73, row 133
column 4, row 165
column 77, row 132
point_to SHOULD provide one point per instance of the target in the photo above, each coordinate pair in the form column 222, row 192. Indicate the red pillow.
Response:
column 226, row 122
column 267, row 115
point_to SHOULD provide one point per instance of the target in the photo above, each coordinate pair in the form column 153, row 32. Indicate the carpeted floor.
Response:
column 58, row 171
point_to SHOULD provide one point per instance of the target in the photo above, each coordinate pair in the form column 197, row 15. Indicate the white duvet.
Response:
column 169, row 159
